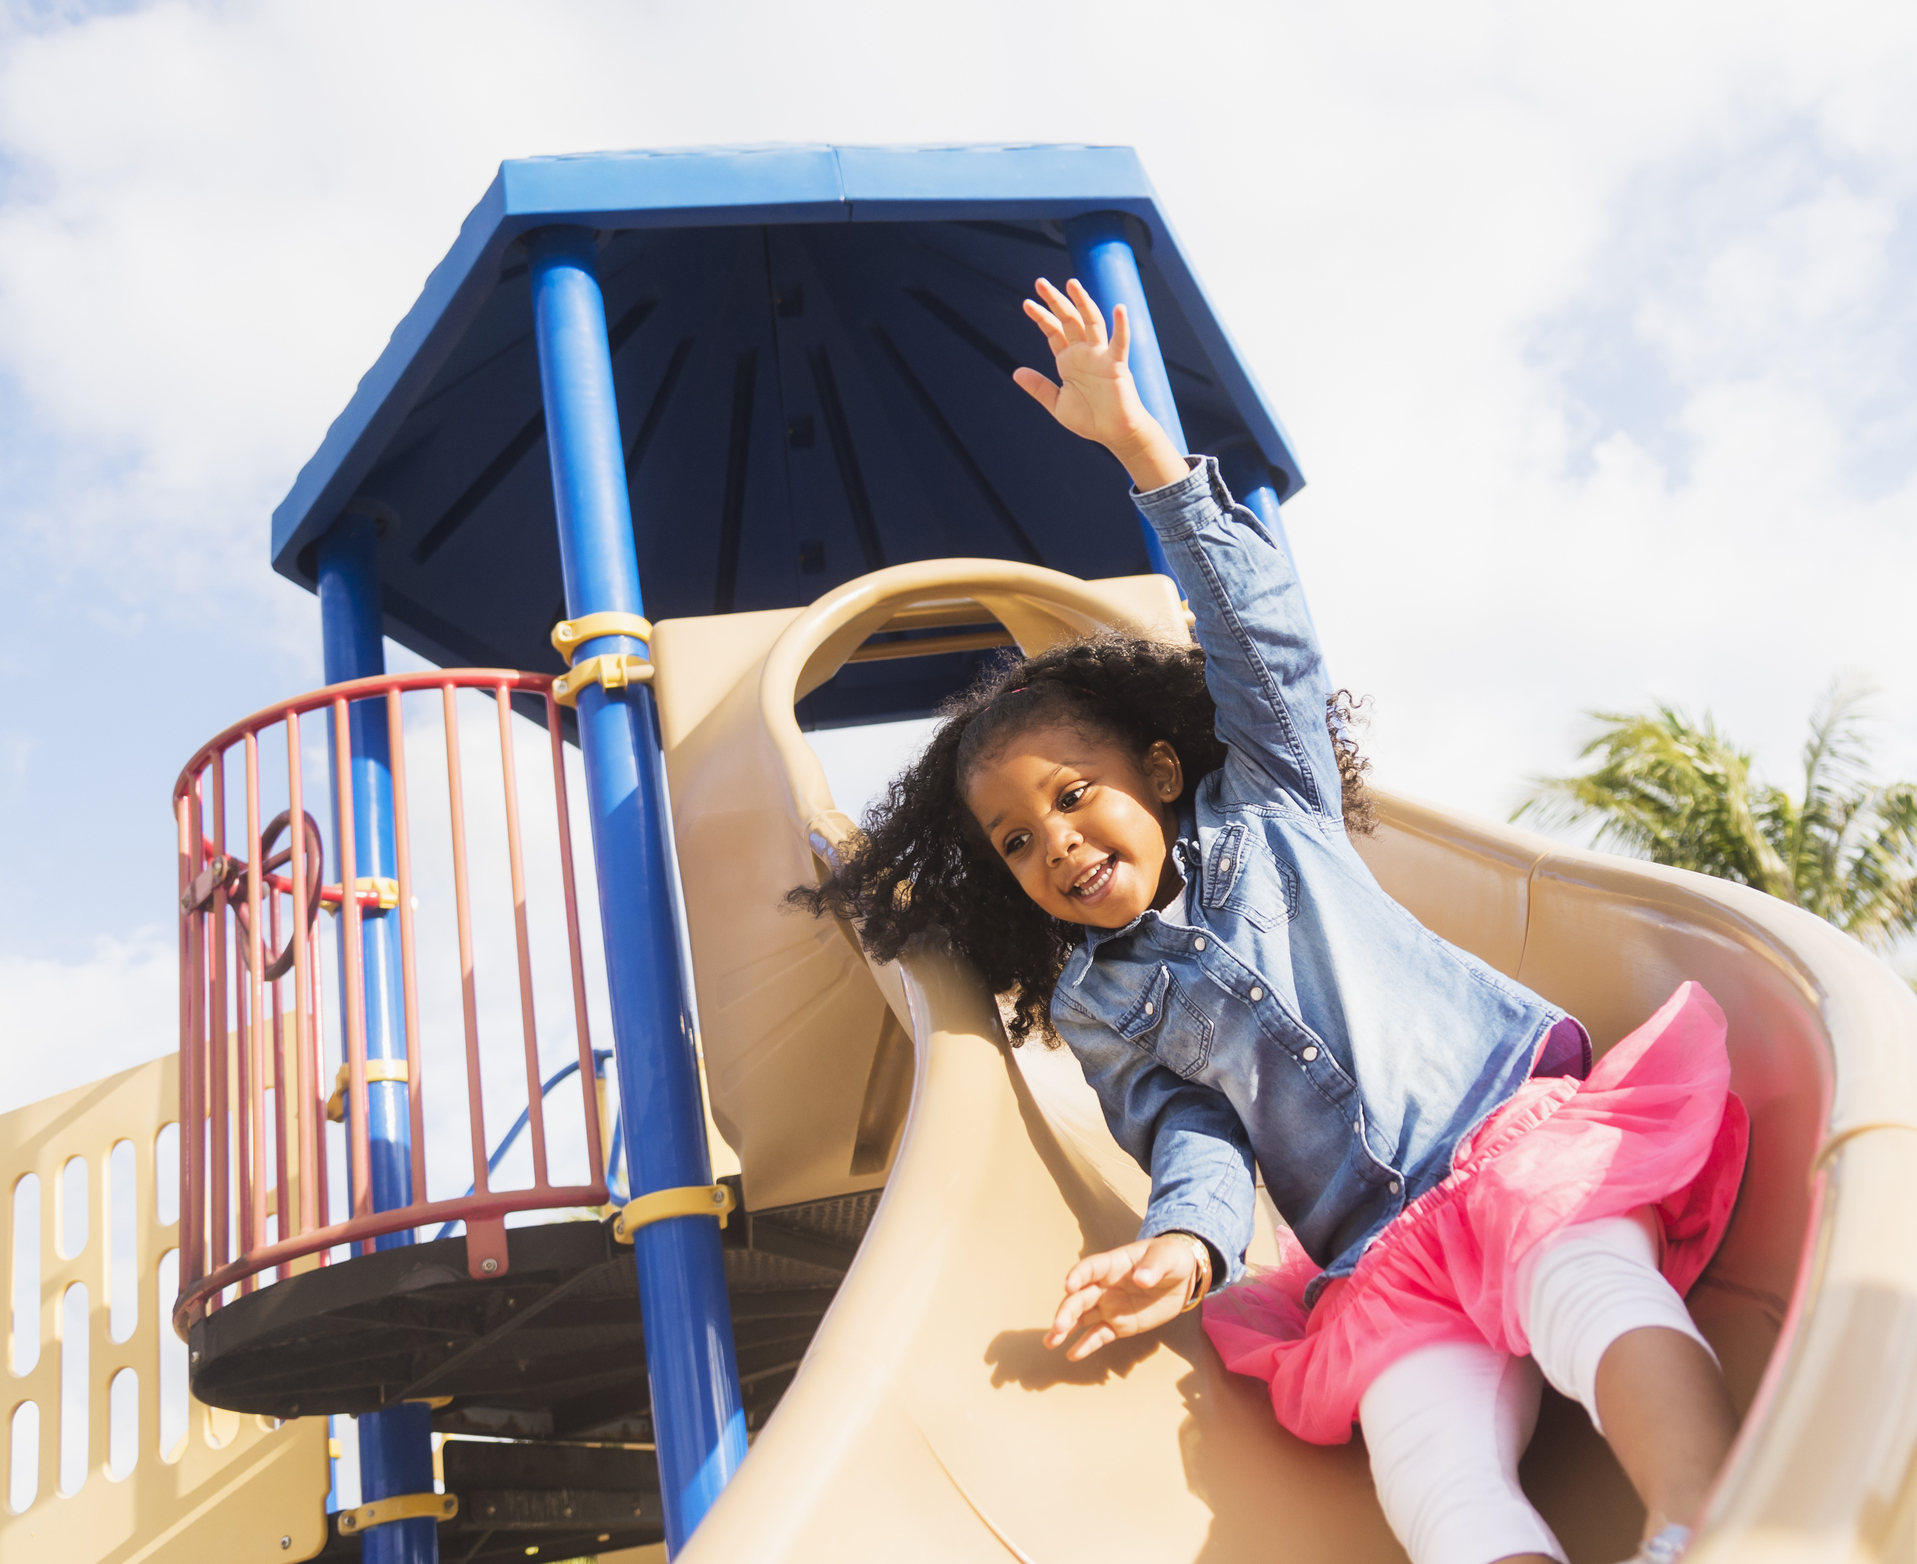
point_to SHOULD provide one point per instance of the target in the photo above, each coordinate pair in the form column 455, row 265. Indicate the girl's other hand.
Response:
column 1095, row 397
column 1122, row 1292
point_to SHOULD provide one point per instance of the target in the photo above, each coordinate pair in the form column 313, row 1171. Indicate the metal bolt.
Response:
column 286, row 1542
column 489, row 1265
column 196, row 1356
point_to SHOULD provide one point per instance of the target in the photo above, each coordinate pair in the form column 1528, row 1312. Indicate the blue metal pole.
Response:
column 396, row 1446
column 396, row 1457
column 332, row 1465
column 1248, row 476
column 354, row 649
column 698, row 1423
column 1103, row 260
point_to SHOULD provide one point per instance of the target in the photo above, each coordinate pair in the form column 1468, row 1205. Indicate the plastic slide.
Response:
column 928, row 1423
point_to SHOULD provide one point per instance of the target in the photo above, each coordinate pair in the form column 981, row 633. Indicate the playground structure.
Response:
column 796, row 363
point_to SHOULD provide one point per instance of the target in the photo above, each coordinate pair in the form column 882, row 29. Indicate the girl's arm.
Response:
column 1199, row 1157
column 1262, row 660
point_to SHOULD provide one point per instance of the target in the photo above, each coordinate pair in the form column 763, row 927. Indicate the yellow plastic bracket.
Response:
column 376, row 1070
column 401, row 1507
column 686, row 1200
column 571, row 634
column 614, row 671
column 366, row 885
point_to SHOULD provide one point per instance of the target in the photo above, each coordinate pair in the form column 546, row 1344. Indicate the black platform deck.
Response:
column 554, row 1349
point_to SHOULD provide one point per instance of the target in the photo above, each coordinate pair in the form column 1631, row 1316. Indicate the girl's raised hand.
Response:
column 1095, row 397
column 1122, row 1292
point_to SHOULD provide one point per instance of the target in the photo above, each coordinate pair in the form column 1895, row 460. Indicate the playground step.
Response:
column 552, row 1501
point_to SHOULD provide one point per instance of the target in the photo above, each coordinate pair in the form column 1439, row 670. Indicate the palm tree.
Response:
column 1663, row 787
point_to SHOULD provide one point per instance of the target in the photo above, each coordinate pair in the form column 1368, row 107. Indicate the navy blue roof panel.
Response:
column 905, row 183
column 812, row 351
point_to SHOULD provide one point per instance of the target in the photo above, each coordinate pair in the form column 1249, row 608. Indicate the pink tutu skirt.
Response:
column 1655, row 1124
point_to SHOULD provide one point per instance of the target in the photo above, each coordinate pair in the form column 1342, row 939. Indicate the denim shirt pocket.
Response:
column 1168, row 1026
column 1244, row 876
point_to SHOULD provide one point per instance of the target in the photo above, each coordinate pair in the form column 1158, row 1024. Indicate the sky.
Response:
column 1585, row 322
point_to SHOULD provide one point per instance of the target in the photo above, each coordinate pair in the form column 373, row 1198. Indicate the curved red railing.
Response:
column 247, row 1029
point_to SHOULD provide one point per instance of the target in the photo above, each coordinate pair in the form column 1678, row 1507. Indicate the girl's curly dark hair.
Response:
column 922, row 860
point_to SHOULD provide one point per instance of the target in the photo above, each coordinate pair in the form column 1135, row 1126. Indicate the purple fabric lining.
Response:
column 1566, row 1051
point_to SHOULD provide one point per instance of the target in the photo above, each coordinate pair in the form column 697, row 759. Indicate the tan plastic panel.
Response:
column 1464, row 876
column 797, row 1048
column 1831, row 1476
column 234, row 1488
column 767, row 982
column 927, row 1421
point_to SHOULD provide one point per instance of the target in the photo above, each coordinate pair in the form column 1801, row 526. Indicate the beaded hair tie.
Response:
column 1077, row 689
column 1002, row 695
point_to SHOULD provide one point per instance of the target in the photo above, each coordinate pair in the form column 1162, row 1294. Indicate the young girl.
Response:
column 1147, row 848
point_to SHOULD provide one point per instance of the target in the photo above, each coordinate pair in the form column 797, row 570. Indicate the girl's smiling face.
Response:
column 1085, row 825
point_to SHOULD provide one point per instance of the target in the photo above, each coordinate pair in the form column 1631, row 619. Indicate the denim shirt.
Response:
column 1284, row 1009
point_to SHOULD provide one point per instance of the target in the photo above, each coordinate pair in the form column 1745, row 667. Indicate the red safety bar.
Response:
column 236, row 1042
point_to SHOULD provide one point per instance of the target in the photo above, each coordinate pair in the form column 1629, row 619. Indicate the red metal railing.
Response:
column 249, row 932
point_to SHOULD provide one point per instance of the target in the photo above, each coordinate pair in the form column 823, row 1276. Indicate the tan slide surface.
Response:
column 927, row 1422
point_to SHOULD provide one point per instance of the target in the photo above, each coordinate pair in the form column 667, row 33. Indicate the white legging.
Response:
column 1445, row 1425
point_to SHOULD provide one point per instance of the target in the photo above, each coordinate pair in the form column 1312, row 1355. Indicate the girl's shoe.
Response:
column 1667, row 1547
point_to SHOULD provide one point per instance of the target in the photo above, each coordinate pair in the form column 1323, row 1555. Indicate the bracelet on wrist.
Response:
column 1201, row 1272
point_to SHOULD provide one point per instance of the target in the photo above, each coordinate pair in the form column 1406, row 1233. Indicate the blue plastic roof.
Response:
column 812, row 348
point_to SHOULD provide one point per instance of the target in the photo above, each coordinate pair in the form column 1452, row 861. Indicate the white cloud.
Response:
column 64, row 1023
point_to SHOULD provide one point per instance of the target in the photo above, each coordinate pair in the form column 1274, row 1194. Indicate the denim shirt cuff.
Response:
column 1181, row 508
column 1187, row 1219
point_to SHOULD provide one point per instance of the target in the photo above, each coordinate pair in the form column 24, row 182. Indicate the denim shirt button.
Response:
column 1394, row 1186
column 1308, row 1053
column 1148, row 1007
column 1199, row 943
column 1257, row 994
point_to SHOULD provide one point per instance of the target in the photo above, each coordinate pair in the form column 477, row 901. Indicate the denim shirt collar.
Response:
column 1189, row 857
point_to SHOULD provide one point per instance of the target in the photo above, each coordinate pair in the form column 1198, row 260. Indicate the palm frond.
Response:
column 1676, row 791
column 1876, row 889
column 1670, row 789
column 1837, row 794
